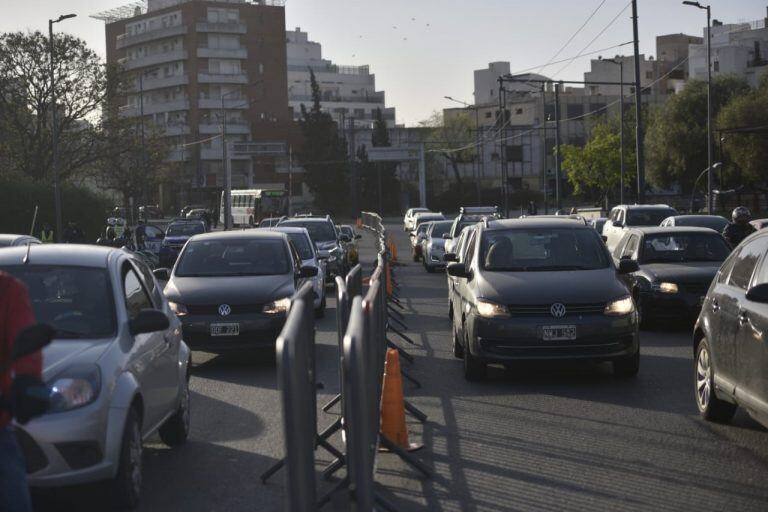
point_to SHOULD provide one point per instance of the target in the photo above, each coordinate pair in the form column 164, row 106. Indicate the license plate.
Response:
column 558, row 332
column 225, row 329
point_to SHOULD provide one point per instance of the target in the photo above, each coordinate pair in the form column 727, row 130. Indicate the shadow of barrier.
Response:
column 372, row 405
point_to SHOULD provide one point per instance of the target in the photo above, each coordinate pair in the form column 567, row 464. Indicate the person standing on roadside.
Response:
column 73, row 234
column 46, row 234
column 15, row 314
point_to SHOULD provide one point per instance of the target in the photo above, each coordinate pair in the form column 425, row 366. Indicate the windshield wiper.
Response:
column 561, row 267
column 67, row 334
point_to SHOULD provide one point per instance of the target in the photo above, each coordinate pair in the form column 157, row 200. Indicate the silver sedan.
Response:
column 117, row 369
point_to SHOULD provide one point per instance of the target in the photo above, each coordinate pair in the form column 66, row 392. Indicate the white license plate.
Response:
column 558, row 332
column 225, row 329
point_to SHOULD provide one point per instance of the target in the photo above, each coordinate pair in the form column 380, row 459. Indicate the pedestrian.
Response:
column 215, row 217
column 206, row 217
column 739, row 228
column 109, row 233
column 15, row 314
column 46, row 234
column 140, row 232
column 73, row 234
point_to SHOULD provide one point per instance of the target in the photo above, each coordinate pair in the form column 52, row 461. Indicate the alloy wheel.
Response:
column 703, row 379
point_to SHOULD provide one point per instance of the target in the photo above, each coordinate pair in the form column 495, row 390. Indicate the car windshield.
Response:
column 703, row 221
column 650, row 217
column 422, row 228
column 233, row 257
column 185, row 229
column 684, row 247
column 441, row 228
column 76, row 301
column 545, row 249
column 303, row 245
column 318, row 231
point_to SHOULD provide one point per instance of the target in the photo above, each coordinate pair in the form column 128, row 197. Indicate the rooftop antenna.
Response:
column 25, row 261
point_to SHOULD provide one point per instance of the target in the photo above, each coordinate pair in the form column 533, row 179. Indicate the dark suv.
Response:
column 729, row 339
column 327, row 239
column 542, row 289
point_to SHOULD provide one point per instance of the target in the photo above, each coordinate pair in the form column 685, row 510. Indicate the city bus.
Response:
column 249, row 207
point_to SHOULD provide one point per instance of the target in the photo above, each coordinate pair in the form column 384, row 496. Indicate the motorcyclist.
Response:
column 15, row 314
column 740, row 228
column 140, row 233
column 73, row 234
column 110, row 234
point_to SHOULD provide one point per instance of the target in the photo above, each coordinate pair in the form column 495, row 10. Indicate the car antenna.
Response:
column 26, row 256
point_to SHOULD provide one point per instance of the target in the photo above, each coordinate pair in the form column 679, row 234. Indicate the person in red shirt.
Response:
column 15, row 314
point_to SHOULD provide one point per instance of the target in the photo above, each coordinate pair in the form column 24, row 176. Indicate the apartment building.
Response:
column 348, row 92
column 196, row 65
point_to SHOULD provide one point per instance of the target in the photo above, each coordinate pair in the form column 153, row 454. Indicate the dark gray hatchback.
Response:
column 542, row 289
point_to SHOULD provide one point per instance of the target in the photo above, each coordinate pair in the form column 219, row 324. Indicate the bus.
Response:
column 249, row 207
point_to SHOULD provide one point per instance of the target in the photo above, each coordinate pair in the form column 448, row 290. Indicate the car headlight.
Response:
column 179, row 309
column 488, row 309
column 620, row 307
column 278, row 306
column 665, row 287
column 76, row 387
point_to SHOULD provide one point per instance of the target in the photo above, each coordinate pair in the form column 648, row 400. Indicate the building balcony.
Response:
column 240, row 127
column 172, row 129
column 126, row 40
column 154, row 60
column 178, row 155
column 371, row 98
column 222, row 53
column 229, row 103
column 149, row 84
column 155, row 108
column 217, row 154
column 234, row 27
column 219, row 78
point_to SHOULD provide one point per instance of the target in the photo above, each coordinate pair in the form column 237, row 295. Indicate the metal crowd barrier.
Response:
column 363, row 324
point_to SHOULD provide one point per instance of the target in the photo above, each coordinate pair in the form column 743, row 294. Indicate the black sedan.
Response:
column 677, row 266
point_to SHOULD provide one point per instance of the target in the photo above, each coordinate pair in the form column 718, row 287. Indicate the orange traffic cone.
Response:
column 393, row 250
column 393, row 404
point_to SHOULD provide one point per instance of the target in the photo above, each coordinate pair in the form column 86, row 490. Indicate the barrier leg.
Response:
column 330, row 448
column 398, row 321
column 332, row 468
column 411, row 379
column 415, row 411
column 395, row 312
column 331, row 429
column 336, row 488
column 402, row 335
column 383, row 503
column 271, row 471
column 405, row 355
column 334, row 401
column 320, row 441
column 404, row 455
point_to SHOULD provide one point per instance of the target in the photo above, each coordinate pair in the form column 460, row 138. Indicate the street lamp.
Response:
column 620, row 63
column 709, row 171
column 478, row 140
column 710, row 209
column 55, row 131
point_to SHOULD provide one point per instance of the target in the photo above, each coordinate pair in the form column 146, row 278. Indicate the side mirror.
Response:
column 449, row 256
column 148, row 320
column 345, row 239
column 307, row 272
column 457, row 270
column 618, row 224
column 162, row 274
column 447, row 236
column 32, row 339
column 628, row 266
column 758, row 293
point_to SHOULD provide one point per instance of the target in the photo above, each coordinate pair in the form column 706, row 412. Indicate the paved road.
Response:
column 565, row 438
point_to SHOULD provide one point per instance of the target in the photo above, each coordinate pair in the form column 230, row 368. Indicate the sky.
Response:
column 423, row 50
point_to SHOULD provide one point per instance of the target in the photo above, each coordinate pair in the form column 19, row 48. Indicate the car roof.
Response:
column 75, row 255
column 11, row 238
column 266, row 234
column 305, row 219
column 287, row 229
column 536, row 222
column 655, row 230
column 186, row 221
column 645, row 206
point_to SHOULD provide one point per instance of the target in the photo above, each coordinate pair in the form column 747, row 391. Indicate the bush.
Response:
column 18, row 200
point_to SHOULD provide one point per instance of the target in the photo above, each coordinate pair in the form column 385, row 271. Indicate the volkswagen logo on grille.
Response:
column 557, row 310
column 225, row 310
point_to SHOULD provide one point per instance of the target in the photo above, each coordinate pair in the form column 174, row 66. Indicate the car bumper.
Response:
column 256, row 331
column 598, row 338
column 681, row 305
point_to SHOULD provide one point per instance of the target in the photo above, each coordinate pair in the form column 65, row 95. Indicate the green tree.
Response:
column 25, row 102
column 323, row 155
column 744, row 147
column 676, row 141
column 450, row 139
column 378, row 180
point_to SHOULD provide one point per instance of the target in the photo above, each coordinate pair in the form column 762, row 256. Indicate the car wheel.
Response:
column 429, row 269
column 320, row 311
column 458, row 349
column 627, row 366
column 126, row 486
column 710, row 407
column 642, row 317
column 450, row 310
column 474, row 370
column 175, row 430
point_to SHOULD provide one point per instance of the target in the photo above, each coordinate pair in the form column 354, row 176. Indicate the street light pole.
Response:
column 710, row 184
column 621, row 130
column 557, row 147
column 639, row 148
column 55, row 131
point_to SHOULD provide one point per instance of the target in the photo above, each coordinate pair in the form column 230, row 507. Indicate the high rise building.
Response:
column 197, row 65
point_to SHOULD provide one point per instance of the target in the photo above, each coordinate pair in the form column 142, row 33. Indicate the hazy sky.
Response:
column 422, row 50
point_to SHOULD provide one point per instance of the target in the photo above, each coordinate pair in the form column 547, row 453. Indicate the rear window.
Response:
column 684, row 247
column 232, row 257
column 518, row 250
column 318, row 231
column 650, row 217
column 716, row 223
column 441, row 228
column 302, row 244
column 76, row 301
column 185, row 229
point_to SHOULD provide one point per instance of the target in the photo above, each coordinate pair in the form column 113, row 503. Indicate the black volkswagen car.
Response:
column 677, row 265
column 730, row 339
column 233, row 289
column 542, row 289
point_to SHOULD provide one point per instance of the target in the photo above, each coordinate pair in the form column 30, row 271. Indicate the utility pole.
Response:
column 502, row 119
column 639, row 150
column 227, row 169
column 710, row 184
column 557, row 147
column 544, row 146
column 290, row 180
column 55, row 131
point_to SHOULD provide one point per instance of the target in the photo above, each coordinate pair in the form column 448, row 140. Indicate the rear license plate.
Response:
column 558, row 332
column 225, row 329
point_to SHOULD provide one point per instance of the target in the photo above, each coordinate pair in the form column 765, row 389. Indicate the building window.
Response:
column 488, row 115
column 519, row 111
column 649, row 75
column 574, row 110
column 716, row 65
